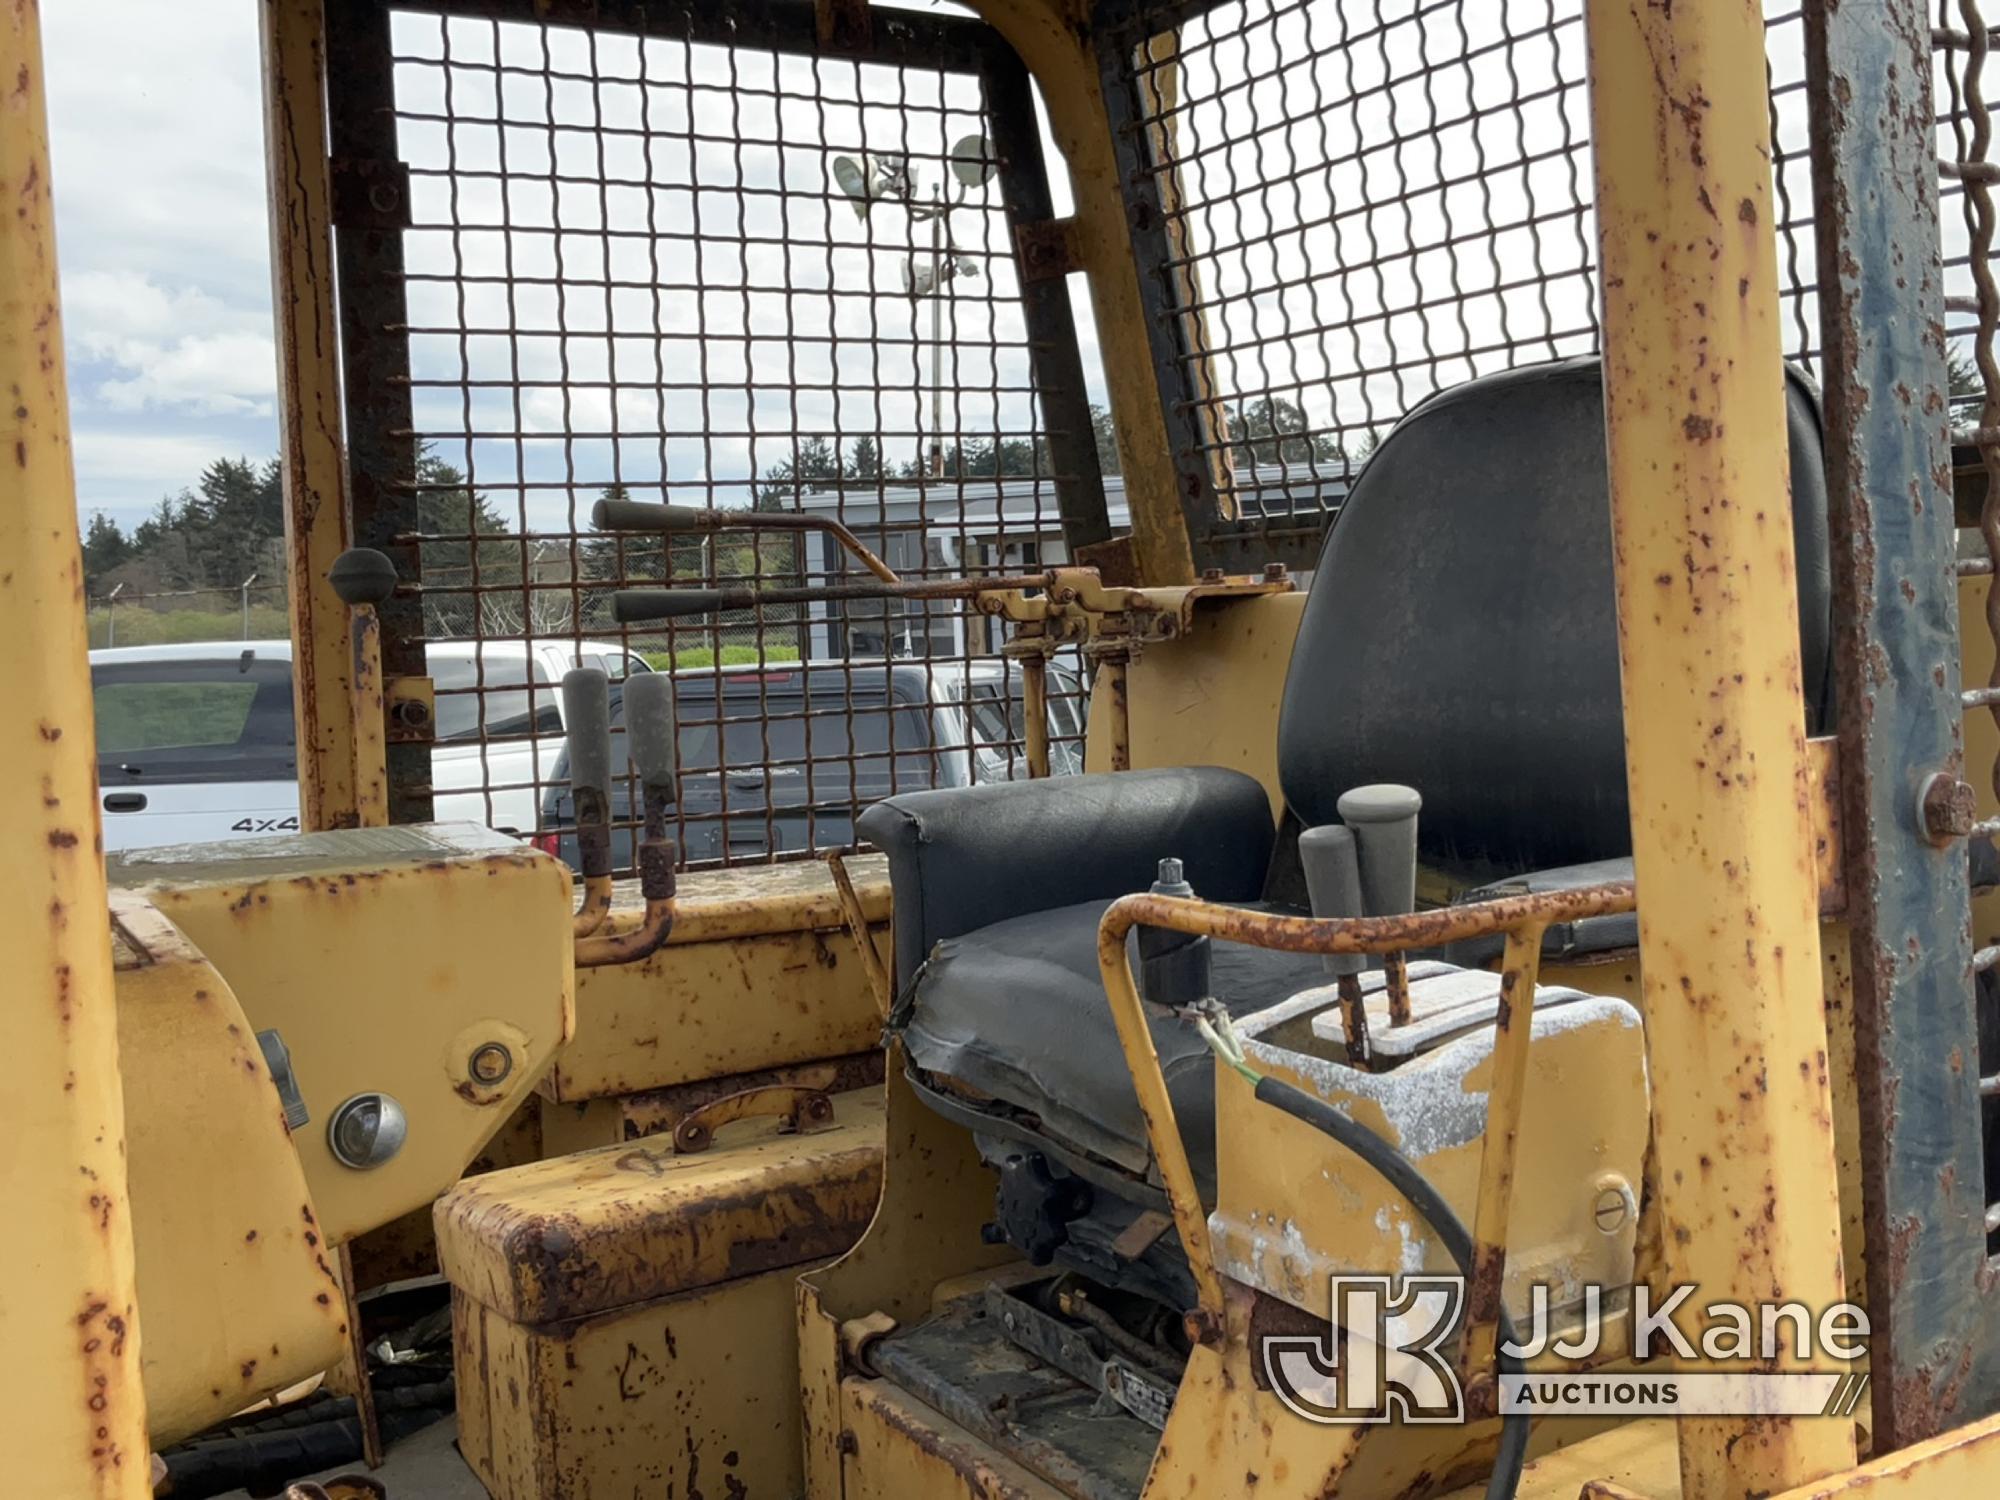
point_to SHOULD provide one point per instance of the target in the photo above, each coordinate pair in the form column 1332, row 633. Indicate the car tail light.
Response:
column 548, row 843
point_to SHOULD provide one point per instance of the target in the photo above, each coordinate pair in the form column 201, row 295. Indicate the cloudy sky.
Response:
column 160, row 209
column 159, row 189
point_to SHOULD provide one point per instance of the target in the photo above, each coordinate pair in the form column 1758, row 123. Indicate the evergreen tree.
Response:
column 449, row 507
column 104, row 547
column 865, row 462
column 1272, row 430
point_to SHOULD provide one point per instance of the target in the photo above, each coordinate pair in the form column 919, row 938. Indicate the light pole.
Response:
column 111, row 615
column 868, row 181
column 245, row 587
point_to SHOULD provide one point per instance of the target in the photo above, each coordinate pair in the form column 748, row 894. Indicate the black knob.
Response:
column 361, row 575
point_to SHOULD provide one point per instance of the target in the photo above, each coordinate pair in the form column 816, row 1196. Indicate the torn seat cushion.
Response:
column 1017, row 1010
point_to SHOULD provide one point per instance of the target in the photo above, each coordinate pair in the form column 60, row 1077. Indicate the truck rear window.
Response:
column 491, row 696
column 215, row 719
column 744, row 739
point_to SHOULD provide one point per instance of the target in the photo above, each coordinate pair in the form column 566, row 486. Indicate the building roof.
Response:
column 1030, row 504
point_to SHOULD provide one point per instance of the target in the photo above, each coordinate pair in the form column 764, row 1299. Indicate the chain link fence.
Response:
column 126, row 617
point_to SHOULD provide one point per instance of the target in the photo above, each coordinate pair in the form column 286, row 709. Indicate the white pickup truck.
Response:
column 195, row 742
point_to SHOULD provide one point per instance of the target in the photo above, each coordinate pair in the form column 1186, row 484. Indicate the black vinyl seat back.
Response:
column 1462, row 631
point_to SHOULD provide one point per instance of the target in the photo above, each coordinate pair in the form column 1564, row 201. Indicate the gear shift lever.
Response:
column 1384, row 820
column 1333, row 880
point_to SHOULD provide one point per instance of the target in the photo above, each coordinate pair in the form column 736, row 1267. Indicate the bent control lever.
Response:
column 650, row 731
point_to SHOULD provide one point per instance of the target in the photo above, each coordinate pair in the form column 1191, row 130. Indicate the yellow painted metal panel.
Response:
column 1053, row 39
column 68, row 1310
column 698, row 1009
column 685, row 1396
column 901, row 1449
column 385, row 957
column 1210, row 697
column 240, row 1294
column 1715, row 743
column 1965, row 1461
column 1640, row 1456
column 935, row 1196
column 310, row 449
column 1283, row 1223
column 751, row 900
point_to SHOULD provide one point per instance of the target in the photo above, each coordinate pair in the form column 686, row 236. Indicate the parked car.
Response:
column 195, row 742
column 803, row 748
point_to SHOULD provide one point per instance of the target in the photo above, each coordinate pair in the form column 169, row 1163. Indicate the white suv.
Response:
column 195, row 742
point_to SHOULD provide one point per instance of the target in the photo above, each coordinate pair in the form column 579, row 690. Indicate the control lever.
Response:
column 650, row 733
column 1384, row 819
column 586, row 697
column 640, row 606
column 1333, row 881
column 665, row 520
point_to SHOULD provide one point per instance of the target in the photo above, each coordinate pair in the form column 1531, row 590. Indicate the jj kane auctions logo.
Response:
column 1389, row 1356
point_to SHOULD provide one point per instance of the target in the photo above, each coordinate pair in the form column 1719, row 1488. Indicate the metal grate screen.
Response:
column 688, row 255
column 695, row 268
column 1361, row 203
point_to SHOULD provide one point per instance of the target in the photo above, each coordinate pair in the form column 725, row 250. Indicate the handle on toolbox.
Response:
column 798, row 1110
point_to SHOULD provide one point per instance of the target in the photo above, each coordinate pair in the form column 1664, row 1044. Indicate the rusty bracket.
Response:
column 369, row 194
column 858, row 1337
column 1047, row 249
column 856, row 921
column 799, row 1111
column 409, row 710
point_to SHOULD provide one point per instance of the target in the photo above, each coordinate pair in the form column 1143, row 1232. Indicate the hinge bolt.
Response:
column 1949, row 807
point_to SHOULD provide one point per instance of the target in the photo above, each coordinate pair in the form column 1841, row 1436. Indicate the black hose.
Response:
column 1402, row 1175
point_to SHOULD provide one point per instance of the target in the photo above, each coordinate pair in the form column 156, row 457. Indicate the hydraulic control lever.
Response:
column 638, row 606
column 1384, row 819
column 650, row 732
column 1333, row 881
column 586, row 697
column 667, row 520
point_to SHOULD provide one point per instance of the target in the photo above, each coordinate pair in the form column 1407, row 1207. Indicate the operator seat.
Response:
column 1460, row 637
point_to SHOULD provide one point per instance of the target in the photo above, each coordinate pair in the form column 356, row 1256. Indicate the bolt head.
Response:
column 1612, row 1207
column 1211, row 575
column 1201, row 1327
column 1276, row 571
column 1950, row 808
column 490, row 1063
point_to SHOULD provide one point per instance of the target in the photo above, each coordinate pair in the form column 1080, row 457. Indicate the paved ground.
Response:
column 425, row 1466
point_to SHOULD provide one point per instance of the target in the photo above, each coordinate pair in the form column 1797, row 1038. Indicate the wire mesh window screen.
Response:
column 667, row 269
column 1963, row 78
column 1366, row 201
